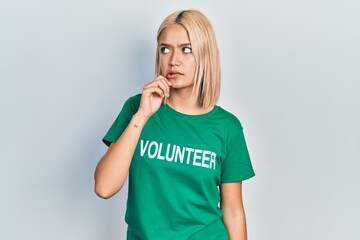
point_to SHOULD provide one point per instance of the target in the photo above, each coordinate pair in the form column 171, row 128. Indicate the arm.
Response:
column 113, row 167
column 233, row 210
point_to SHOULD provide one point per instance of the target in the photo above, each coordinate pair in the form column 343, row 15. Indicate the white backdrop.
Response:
column 290, row 73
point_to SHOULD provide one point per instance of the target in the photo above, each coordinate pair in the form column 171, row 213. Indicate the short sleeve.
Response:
column 121, row 122
column 236, row 166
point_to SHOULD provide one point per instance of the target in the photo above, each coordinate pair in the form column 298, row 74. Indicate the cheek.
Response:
column 191, row 64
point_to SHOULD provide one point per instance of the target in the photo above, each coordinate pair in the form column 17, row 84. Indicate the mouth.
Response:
column 173, row 74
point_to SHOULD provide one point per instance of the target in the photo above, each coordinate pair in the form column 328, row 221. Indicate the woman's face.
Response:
column 177, row 63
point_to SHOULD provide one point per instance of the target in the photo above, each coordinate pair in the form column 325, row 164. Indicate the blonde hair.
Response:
column 205, row 50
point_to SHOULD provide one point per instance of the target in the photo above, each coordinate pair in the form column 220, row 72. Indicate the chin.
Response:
column 181, row 86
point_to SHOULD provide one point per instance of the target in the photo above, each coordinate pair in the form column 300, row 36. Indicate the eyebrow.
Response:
column 180, row 45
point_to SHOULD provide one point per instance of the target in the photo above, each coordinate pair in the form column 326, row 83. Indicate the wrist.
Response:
column 139, row 119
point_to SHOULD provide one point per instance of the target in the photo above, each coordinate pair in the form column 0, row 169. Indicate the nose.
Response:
column 175, row 59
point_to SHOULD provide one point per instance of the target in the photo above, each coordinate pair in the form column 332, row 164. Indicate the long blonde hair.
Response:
column 206, row 53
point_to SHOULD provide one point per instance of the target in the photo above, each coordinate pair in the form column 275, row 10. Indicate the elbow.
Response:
column 103, row 194
column 103, row 191
column 106, row 187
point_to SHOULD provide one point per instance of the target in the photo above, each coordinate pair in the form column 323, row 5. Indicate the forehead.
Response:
column 174, row 34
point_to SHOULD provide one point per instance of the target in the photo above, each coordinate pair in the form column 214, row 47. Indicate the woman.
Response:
column 186, row 157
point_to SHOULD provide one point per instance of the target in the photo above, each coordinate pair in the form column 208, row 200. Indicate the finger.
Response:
column 163, row 85
column 153, row 89
column 166, row 80
column 167, row 83
column 158, row 78
column 160, row 82
column 155, row 82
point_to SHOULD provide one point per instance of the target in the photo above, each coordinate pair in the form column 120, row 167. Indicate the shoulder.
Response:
column 229, row 118
column 134, row 99
column 229, row 123
column 133, row 102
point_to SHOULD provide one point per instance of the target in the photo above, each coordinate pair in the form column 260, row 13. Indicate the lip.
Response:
column 173, row 74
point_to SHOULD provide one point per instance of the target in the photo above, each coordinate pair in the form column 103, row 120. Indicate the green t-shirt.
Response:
column 177, row 167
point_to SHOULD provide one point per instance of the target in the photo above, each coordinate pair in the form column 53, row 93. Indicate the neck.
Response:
column 186, row 102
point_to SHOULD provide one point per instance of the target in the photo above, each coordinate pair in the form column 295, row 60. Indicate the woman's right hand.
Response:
column 110, row 173
column 152, row 96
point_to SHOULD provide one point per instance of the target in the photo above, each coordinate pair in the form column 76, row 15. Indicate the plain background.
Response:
column 290, row 74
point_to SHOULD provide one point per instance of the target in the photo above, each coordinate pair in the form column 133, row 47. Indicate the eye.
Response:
column 164, row 50
column 187, row 50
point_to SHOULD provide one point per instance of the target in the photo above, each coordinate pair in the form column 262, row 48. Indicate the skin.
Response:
column 177, row 64
column 175, row 83
column 233, row 210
